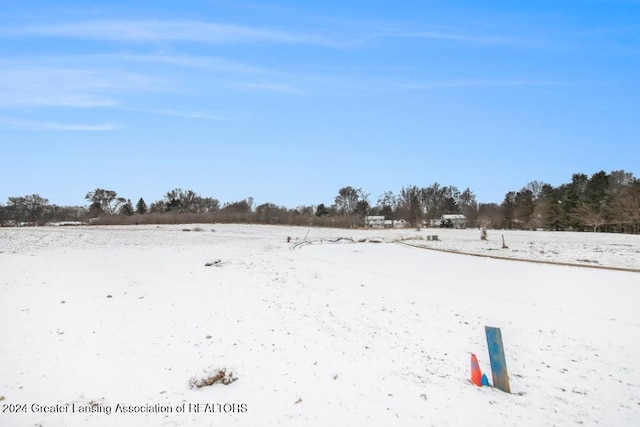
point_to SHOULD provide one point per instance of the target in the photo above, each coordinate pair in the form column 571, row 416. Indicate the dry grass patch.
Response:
column 221, row 376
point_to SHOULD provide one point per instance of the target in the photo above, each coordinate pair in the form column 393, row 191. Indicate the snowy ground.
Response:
column 595, row 249
column 346, row 332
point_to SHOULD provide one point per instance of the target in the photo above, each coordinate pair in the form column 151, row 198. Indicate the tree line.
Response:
column 601, row 202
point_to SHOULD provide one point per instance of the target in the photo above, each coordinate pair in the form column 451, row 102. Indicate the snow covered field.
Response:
column 105, row 325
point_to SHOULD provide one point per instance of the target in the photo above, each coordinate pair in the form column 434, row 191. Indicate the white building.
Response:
column 374, row 221
column 379, row 222
column 458, row 220
column 398, row 223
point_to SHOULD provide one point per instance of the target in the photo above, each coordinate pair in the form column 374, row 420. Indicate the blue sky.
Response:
column 288, row 101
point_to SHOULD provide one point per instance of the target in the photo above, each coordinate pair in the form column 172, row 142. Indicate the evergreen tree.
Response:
column 141, row 207
column 549, row 205
column 597, row 189
column 508, row 208
column 524, row 206
column 322, row 210
column 127, row 208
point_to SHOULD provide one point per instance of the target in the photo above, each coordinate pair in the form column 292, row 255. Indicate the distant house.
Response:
column 398, row 223
column 453, row 221
column 378, row 221
column 65, row 223
column 374, row 221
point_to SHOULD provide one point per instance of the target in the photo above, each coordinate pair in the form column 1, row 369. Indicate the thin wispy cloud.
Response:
column 478, row 83
column 11, row 123
column 460, row 38
column 82, row 127
column 146, row 31
column 265, row 87
column 187, row 114
column 212, row 63
column 67, row 87
column 92, row 85
column 32, row 99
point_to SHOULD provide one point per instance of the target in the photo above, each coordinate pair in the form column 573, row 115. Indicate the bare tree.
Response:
column 104, row 202
column 240, row 207
column 388, row 203
column 158, row 206
column 489, row 215
column 190, row 201
column 173, row 200
column 28, row 209
column 469, row 206
column 64, row 213
column 590, row 215
column 34, row 206
column 535, row 187
column 410, row 204
column 181, row 201
column 626, row 206
column 16, row 210
column 436, row 200
column 347, row 200
column 432, row 201
column 207, row 204
column 270, row 213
